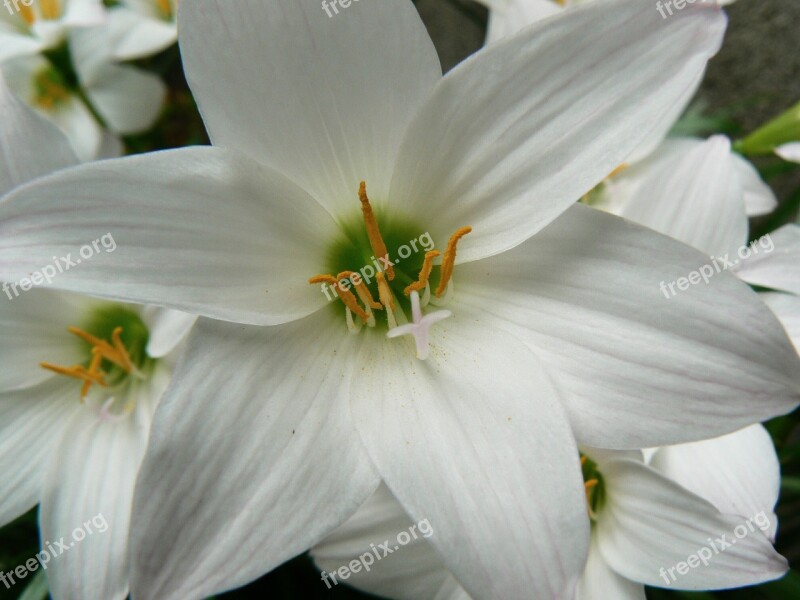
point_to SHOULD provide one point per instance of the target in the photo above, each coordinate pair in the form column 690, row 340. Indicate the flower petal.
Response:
column 253, row 457
column 759, row 198
column 776, row 264
column 31, row 423
column 738, row 473
column 650, row 524
column 693, row 194
column 33, row 327
column 135, row 35
column 202, row 230
column 89, row 487
column 635, row 367
column 168, row 328
column 600, row 581
column 477, row 428
column 413, row 571
column 787, row 308
column 30, row 146
column 324, row 98
column 521, row 130
column 789, row 152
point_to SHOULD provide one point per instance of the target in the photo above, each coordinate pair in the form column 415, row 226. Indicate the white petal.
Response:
column 33, row 327
column 790, row 152
column 694, row 196
column 521, row 130
column 31, row 423
column 776, row 264
column 323, row 99
column 168, row 328
column 759, row 198
column 636, row 368
column 30, row 146
column 600, row 581
column 129, row 100
column 135, row 35
column 413, row 571
column 14, row 44
column 649, row 524
column 89, row 487
column 477, row 429
column 787, row 308
column 201, row 230
column 253, row 455
column 79, row 125
column 507, row 18
column 738, row 473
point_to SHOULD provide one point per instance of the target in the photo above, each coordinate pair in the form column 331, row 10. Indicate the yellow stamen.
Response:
column 50, row 9
column 88, row 376
column 384, row 292
column 116, row 354
column 449, row 260
column 345, row 295
column 27, row 14
column 374, row 234
column 361, row 288
column 424, row 273
column 165, row 7
column 589, row 486
column 94, row 369
column 583, row 460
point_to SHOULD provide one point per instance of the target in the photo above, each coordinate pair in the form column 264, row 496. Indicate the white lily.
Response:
column 141, row 28
column 30, row 27
column 127, row 99
column 548, row 334
column 644, row 524
column 74, row 421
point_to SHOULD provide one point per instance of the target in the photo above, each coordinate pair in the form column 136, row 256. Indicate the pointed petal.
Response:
column 521, row 130
column 253, row 455
column 135, row 35
column 87, row 503
column 694, row 196
column 787, row 308
column 168, row 328
column 650, row 524
column 478, row 427
column 201, row 230
column 635, row 365
column 413, row 571
column 324, row 98
column 31, row 423
column 600, row 581
column 776, row 263
column 30, row 146
column 738, row 473
column 790, row 152
column 759, row 198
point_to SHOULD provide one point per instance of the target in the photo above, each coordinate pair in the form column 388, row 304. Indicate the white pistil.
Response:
column 420, row 326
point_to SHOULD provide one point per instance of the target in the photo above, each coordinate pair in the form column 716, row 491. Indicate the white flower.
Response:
column 644, row 524
column 30, row 27
column 127, row 99
column 74, row 421
column 141, row 28
column 790, row 152
column 274, row 435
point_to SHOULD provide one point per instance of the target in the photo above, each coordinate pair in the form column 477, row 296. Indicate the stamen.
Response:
column 27, row 13
column 363, row 291
column 387, row 299
column 50, row 9
column 89, row 377
column 420, row 327
column 346, row 296
column 449, row 260
column 374, row 234
column 617, row 171
column 165, row 7
column 116, row 354
column 424, row 273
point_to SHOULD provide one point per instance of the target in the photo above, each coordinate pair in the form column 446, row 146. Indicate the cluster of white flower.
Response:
column 565, row 429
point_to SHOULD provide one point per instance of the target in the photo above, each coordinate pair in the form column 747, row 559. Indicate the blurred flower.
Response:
column 141, row 28
column 643, row 524
column 790, row 152
column 75, row 406
column 554, row 328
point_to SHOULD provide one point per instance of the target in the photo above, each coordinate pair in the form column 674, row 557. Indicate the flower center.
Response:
column 114, row 350
column 49, row 10
column 165, row 8
column 50, row 88
column 397, row 280
column 594, row 485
